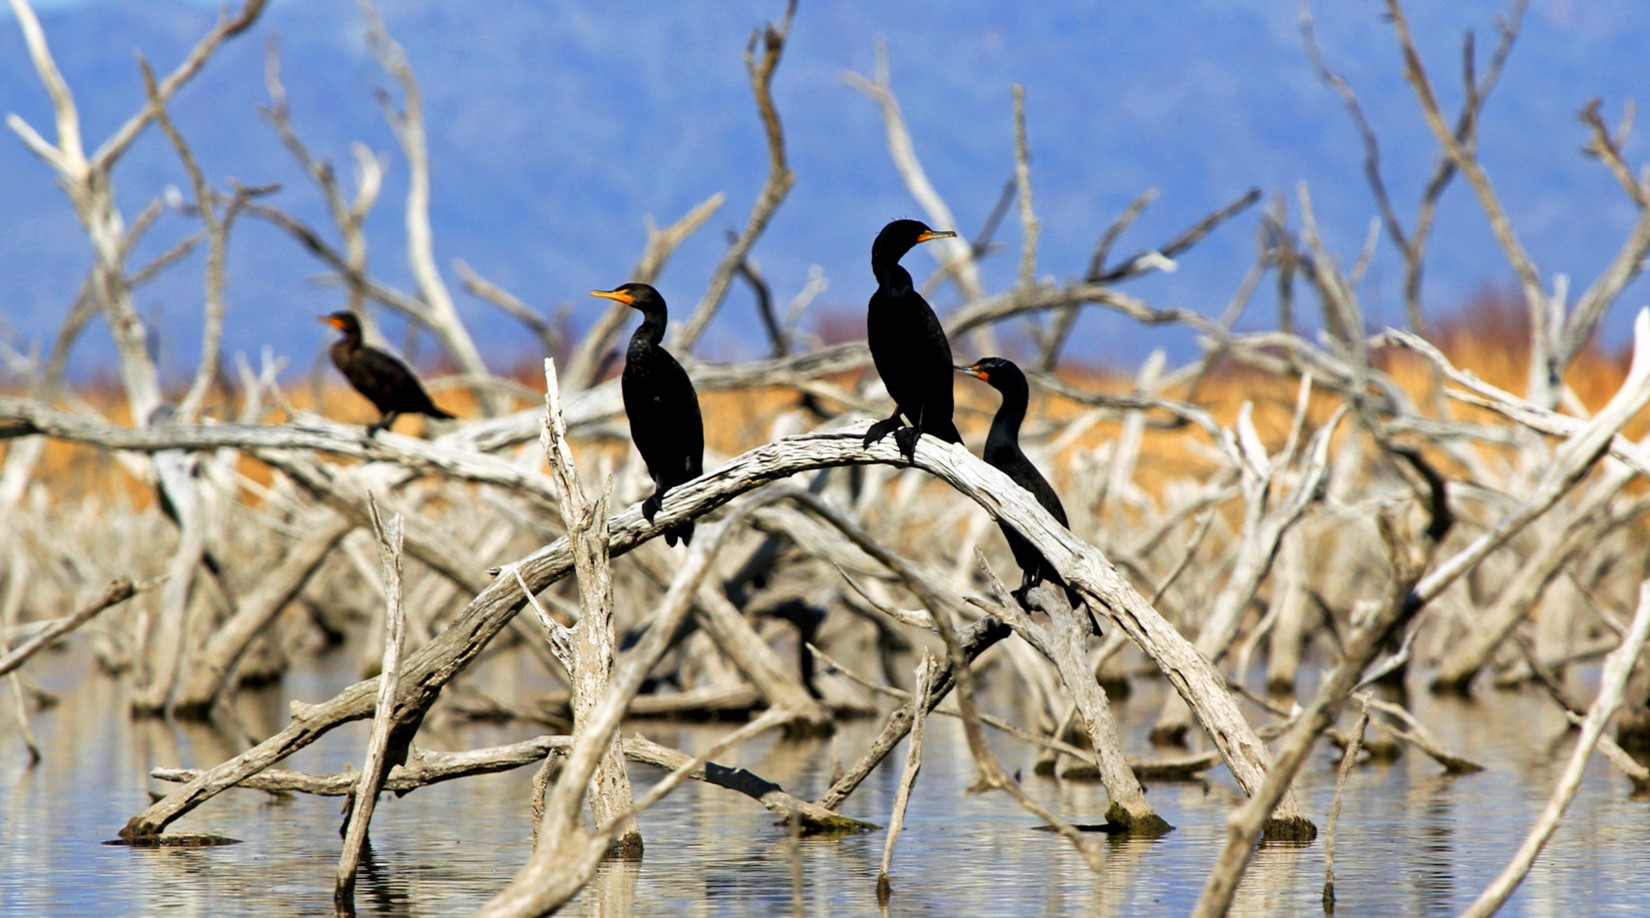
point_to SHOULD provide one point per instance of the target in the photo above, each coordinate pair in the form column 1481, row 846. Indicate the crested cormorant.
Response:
column 1002, row 451
column 907, row 344
column 384, row 380
column 660, row 401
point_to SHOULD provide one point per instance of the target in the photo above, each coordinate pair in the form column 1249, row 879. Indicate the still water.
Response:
column 1411, row 841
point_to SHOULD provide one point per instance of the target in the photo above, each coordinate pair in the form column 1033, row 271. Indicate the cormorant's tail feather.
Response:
column 433, row 412
column 683, row 532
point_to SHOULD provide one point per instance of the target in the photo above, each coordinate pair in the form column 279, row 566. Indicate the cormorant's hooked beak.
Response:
column 615, row 295
column 973, row 371
column 935, row 234
column 334, row 321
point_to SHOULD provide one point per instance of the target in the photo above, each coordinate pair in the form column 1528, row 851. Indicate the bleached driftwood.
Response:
column 592, row 640
column 425, row 767
column 376, row 763
column 429, row 668
column 117, row 592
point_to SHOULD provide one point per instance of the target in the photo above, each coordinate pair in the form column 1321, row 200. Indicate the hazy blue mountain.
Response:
column 556, row 128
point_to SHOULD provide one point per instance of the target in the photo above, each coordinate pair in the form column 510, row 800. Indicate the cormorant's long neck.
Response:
column 891, row 277
column 652, row 330
column 1005, row 427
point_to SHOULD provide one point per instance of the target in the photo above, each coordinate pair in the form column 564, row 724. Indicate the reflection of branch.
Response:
column 426, row 767
column 778, row 184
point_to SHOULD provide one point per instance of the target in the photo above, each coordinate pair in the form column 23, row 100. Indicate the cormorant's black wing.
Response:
column 387, row 383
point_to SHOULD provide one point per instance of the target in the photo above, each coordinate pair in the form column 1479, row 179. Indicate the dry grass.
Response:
column 1491, row 343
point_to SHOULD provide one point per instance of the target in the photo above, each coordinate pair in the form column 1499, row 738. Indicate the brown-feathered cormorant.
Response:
column 384, row 380
column 908, row 345
column 660, row 401
column 1002, row 451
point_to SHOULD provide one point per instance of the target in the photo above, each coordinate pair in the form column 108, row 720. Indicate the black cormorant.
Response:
column 384, row 380
column 660, row 401
column 908, row 345
column 1002, row 451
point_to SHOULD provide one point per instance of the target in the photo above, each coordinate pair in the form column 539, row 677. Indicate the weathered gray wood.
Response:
column 118, row 591
column 374, row 766
column 430, row 667
column 593, row 642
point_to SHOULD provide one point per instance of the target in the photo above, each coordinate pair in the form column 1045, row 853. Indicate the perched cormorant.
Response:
column 384, row 380
column 908, row 345
column 1002, row 451
column 661, row 404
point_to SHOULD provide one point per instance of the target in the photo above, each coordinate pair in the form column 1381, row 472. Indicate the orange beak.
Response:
column 974, row 371
column 935, row 234
column 329, row 320
column 615, row 295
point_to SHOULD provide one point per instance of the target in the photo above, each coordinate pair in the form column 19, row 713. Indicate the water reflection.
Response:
column 1411, row 840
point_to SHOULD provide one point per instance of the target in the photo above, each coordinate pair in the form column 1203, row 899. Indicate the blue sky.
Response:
column 556, row 129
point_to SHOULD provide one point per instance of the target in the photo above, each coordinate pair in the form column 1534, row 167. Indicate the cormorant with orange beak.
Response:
column 1002, row 451
column 908, row 344
column 384, row 380
column 661, row 404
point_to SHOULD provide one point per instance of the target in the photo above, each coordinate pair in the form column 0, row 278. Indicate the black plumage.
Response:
column 908, row 344
column 1002, row 451
column 384, row 380
column 659, row 399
